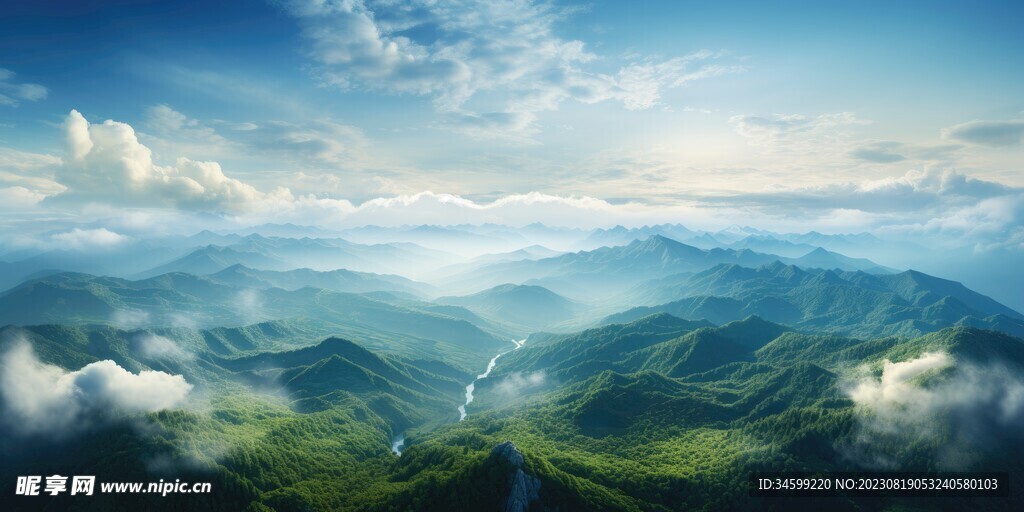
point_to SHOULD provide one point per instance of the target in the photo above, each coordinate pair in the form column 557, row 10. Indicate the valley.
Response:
column 648, row 375
column 511, row 256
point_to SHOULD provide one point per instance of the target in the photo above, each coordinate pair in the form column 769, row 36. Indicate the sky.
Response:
column 905, row 119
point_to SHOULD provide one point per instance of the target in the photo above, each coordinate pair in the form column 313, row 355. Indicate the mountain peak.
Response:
column 819, row 251
column 752, row 332
column 775, row 267
column 654, row 242
column 237, row 267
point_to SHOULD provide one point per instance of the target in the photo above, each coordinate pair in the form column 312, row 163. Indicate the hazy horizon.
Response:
column 296, row 255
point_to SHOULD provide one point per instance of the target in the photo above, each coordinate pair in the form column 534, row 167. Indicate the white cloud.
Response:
column 129, row 318
column 80, row 239
column 958, row 412
column 514, row 385
column 933, row 207
column 511, row 126
column 494, row 65
column 39, row 398
column 172, row 133
column 153, row 346
column 895, row 389
column 987, row 133
column 248, row 305
column 19, row 198
column 26, row 179
column 879, row 152
column 791, row 129
column 347, row 35
column 13, row 93
column 14, row 160
column 165, row 119
column 886, row 152
column 991, row 223
column 316, row 141
column 927, row 192
column 108, row 164
column 640, row 84
column 515, row 209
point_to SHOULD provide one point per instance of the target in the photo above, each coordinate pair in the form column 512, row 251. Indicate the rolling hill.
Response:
column 533, row 307
column 851, row 303
column 322, row 254
column 340, row 280
column 605, row 272
column 185, row 300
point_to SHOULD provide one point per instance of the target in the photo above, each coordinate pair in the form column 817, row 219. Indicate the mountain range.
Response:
column 605, row 272
column 531, row 307
column 656, row 374
column 852, row 303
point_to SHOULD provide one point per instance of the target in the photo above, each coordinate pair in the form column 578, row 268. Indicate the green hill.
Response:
column 533, row 307
column 846, row 303
column 173, row 300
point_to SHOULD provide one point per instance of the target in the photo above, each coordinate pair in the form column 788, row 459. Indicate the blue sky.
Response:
column 894, row 117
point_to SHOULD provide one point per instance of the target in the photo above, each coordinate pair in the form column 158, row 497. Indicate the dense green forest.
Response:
column 657, row 414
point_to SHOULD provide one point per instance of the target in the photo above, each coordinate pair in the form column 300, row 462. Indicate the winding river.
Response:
column 490, row 366
column 398, row 442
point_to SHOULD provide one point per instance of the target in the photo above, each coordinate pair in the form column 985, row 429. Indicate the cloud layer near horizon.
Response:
column 109, row 176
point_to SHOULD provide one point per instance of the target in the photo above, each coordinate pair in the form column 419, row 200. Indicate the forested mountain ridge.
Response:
column 302, row 389
column 851, row 303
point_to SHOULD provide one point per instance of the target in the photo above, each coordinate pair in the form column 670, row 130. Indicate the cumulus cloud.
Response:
column 504, row 54
column 108, row 164
column 895, row 391
column 956, row 408
column 79, row 238
column 987, row 133
column 12, row 92
column 44, row 399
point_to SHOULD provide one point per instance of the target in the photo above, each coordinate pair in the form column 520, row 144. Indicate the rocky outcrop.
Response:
column 524, row 487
